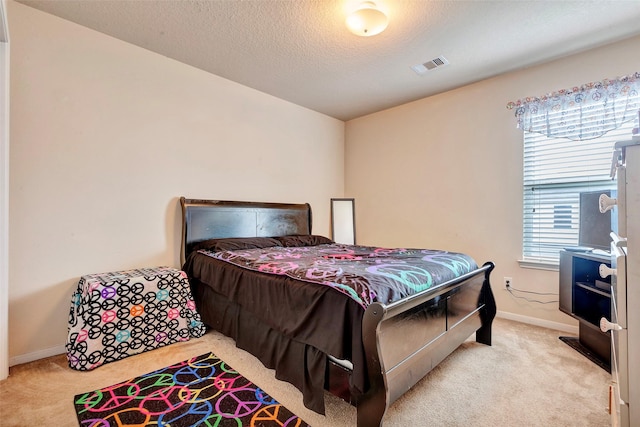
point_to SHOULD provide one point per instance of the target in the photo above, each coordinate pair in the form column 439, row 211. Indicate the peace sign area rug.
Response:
column 202, row 391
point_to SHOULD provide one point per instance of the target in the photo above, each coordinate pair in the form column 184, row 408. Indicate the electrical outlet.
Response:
column 508, row 282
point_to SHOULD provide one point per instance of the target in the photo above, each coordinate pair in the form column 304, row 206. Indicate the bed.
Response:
column 318, row 337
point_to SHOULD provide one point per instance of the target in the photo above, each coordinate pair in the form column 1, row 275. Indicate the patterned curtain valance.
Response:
column 581, row 113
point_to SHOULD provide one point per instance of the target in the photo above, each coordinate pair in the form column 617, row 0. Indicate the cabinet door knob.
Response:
column 606, row 326
column 606, row 203
column 606, row 271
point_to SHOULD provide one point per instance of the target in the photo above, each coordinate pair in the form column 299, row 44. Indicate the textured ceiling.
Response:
column 301, row 51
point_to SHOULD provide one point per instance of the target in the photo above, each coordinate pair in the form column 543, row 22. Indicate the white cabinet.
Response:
column 625, row 286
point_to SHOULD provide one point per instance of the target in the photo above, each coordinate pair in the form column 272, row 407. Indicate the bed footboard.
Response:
column 404, row 340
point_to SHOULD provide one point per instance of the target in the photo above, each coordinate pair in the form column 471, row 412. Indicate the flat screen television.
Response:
column 594, row 225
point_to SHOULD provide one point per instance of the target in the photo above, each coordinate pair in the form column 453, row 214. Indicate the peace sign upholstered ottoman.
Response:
column 119, row 314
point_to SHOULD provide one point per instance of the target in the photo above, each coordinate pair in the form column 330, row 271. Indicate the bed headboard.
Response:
column 218, row 219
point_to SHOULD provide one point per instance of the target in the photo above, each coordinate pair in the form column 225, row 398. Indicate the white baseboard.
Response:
column 36, row 355
column 538, row 322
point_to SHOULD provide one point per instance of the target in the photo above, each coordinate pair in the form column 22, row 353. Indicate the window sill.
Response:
column 539, row 264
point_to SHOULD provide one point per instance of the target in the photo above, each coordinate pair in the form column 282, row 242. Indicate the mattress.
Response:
column 292, row 301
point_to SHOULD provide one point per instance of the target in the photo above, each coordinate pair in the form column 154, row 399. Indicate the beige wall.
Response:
column 4, row 191
column 446, row 171
column 105, row 137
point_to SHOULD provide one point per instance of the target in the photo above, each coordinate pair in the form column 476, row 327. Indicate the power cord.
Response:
column 511, row 289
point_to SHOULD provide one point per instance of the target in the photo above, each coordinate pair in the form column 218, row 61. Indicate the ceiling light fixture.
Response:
column 367, row 20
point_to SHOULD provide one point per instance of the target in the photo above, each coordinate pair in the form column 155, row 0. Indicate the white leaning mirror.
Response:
column 343, row 221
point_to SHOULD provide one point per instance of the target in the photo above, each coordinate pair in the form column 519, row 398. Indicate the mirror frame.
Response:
column 343, row 221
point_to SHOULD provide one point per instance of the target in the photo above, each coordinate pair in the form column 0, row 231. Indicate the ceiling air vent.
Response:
column 438, row 62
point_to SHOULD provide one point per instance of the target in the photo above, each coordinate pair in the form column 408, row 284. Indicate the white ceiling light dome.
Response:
column 367, row 20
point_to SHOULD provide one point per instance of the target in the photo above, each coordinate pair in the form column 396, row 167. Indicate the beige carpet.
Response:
column 527, row 378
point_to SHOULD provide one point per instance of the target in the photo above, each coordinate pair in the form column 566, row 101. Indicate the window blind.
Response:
column 556, row 171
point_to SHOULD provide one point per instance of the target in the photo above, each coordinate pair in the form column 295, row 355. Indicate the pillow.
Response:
column 235, row 243
column 304, row 240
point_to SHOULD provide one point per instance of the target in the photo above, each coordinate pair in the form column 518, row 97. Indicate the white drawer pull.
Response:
column 605, row 325
column 606, row 271
column 606, row 203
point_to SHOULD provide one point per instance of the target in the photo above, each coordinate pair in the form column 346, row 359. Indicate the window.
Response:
column 556, row 171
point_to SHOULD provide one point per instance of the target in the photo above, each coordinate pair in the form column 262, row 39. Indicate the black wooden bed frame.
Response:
column 402, row 341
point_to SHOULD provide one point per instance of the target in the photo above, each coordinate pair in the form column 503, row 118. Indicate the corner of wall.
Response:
column 4, row 192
